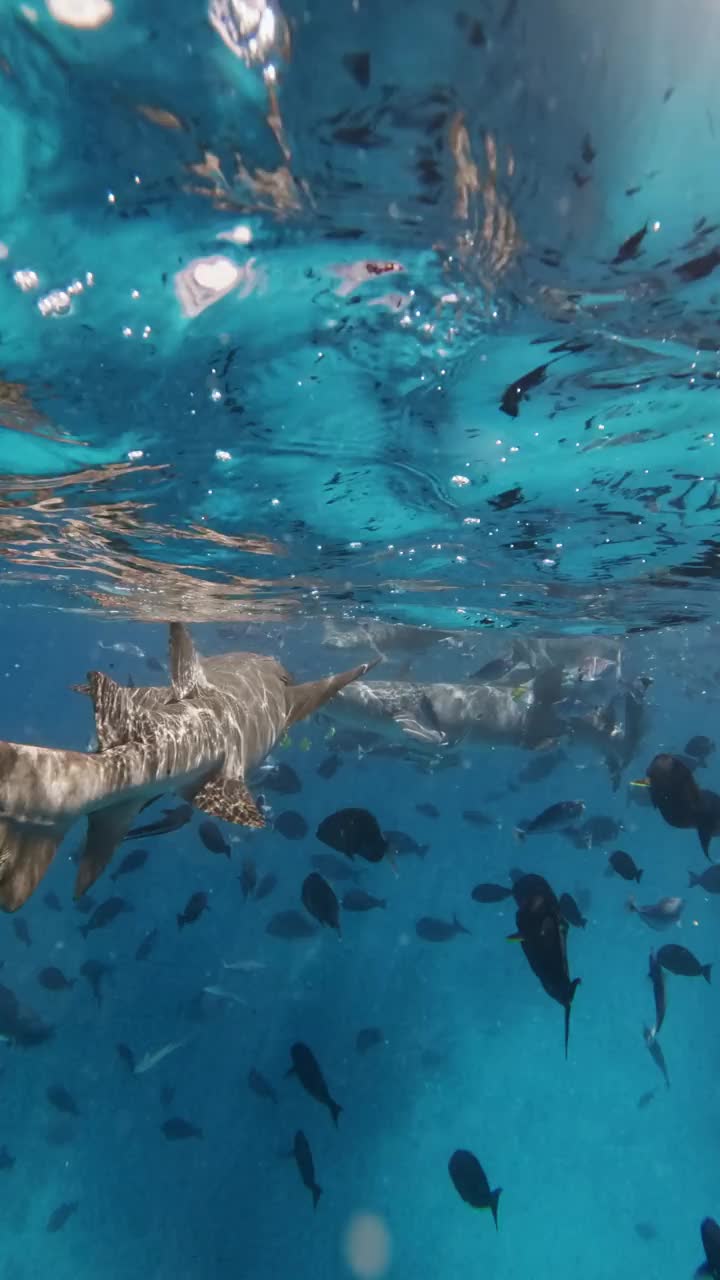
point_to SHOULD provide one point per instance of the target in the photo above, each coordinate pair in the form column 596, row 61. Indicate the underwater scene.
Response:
column 359, row 639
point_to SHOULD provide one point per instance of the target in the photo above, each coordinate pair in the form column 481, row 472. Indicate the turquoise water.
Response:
column 377, row 331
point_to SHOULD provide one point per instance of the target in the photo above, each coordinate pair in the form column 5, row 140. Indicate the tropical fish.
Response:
column 359, row 900
column 196, row 904
column 213, row 838
column 430, row 929
column 290, row 925
column 305, row 1067
column 261, row 1086
column 657, row 977
column 173, row 820
column 709, row 879
column 367, row 1038
column 656, row 1053
column 202, row 737
column 104, row 915
column 131, row 862
column 306, row 1168
column 292, row 825
column 710, row 1236
column 151, row 1059
column 570, row 911
column 320, row 900
column 471, row 1184
column 542, row 931
column 623, row 864
column 53, row 979
column 658, row 915
column 62, row 1100
column 94, row 971
column 700, row 748
column 281, row 779
column 553, row 818
column 176, row 1129
column 679, row 960
column 60, row 1216
column 491, row 892
column 248, row 877
column 354, row 832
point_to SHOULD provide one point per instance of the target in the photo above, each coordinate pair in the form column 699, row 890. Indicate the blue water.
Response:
column 268, row 316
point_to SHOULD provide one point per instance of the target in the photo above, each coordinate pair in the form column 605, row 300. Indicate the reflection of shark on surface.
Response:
column 202, row 737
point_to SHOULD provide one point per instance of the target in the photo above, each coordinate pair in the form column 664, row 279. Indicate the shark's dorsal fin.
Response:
column 114, row 712
column 226, row 798
column 303, row 699
column 185, row 670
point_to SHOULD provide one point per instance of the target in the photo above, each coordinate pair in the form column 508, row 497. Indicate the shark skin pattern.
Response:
column 200, row 737
column 452, row 714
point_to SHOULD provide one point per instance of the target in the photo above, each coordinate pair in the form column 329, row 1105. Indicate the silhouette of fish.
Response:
column 176, row 1129
column 131, row 862
column 710, row 1236
column 320, row 900
column 542, row 931
column 173, row 820
column 471, row 1184
column 359, row 900
column 430, row 929
column 305, row 1066
column 213, row 838
column 290, row 925
column 261, row 1086
column 306, row 1168
column 61, row 1215
column 354, row 832
column 196, row 904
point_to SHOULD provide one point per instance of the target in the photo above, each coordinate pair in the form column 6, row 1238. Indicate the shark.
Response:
column 201, row 737
column 443, row 714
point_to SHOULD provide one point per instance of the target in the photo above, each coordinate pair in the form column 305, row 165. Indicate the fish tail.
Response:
column 459, row 928
column 494, row 1200
column 693, row 879
column 519, row 834
column 84, row 929
column 705, row 970
column 180, row 921
column 335, row 1110
column 630, row 905
column 573, row 988
column 383, row 902
column 316, row 1194
column 423, row 850
column 639, row 875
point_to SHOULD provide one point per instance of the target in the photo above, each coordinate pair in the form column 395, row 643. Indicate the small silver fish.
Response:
column 661, row 914
column 150, row 1060
column 244, row 966
column 221, row 994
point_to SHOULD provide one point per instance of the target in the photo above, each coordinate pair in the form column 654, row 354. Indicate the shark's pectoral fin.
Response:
column 186, row 672
column 303, row 699
column 226, row 798
column 105, row 829
column 26, row 852
column 421, row 732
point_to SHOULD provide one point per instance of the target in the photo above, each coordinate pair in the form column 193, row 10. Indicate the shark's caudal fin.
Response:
column 26, row 852
column 303, row 699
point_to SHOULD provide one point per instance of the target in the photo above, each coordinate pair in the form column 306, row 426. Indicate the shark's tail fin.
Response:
column 303, row 699
column 26, row 852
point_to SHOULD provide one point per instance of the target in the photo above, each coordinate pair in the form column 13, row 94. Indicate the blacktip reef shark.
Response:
column 201, row 737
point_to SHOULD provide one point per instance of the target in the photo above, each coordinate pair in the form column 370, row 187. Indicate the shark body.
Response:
column 201, row 737
column 445, row 714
